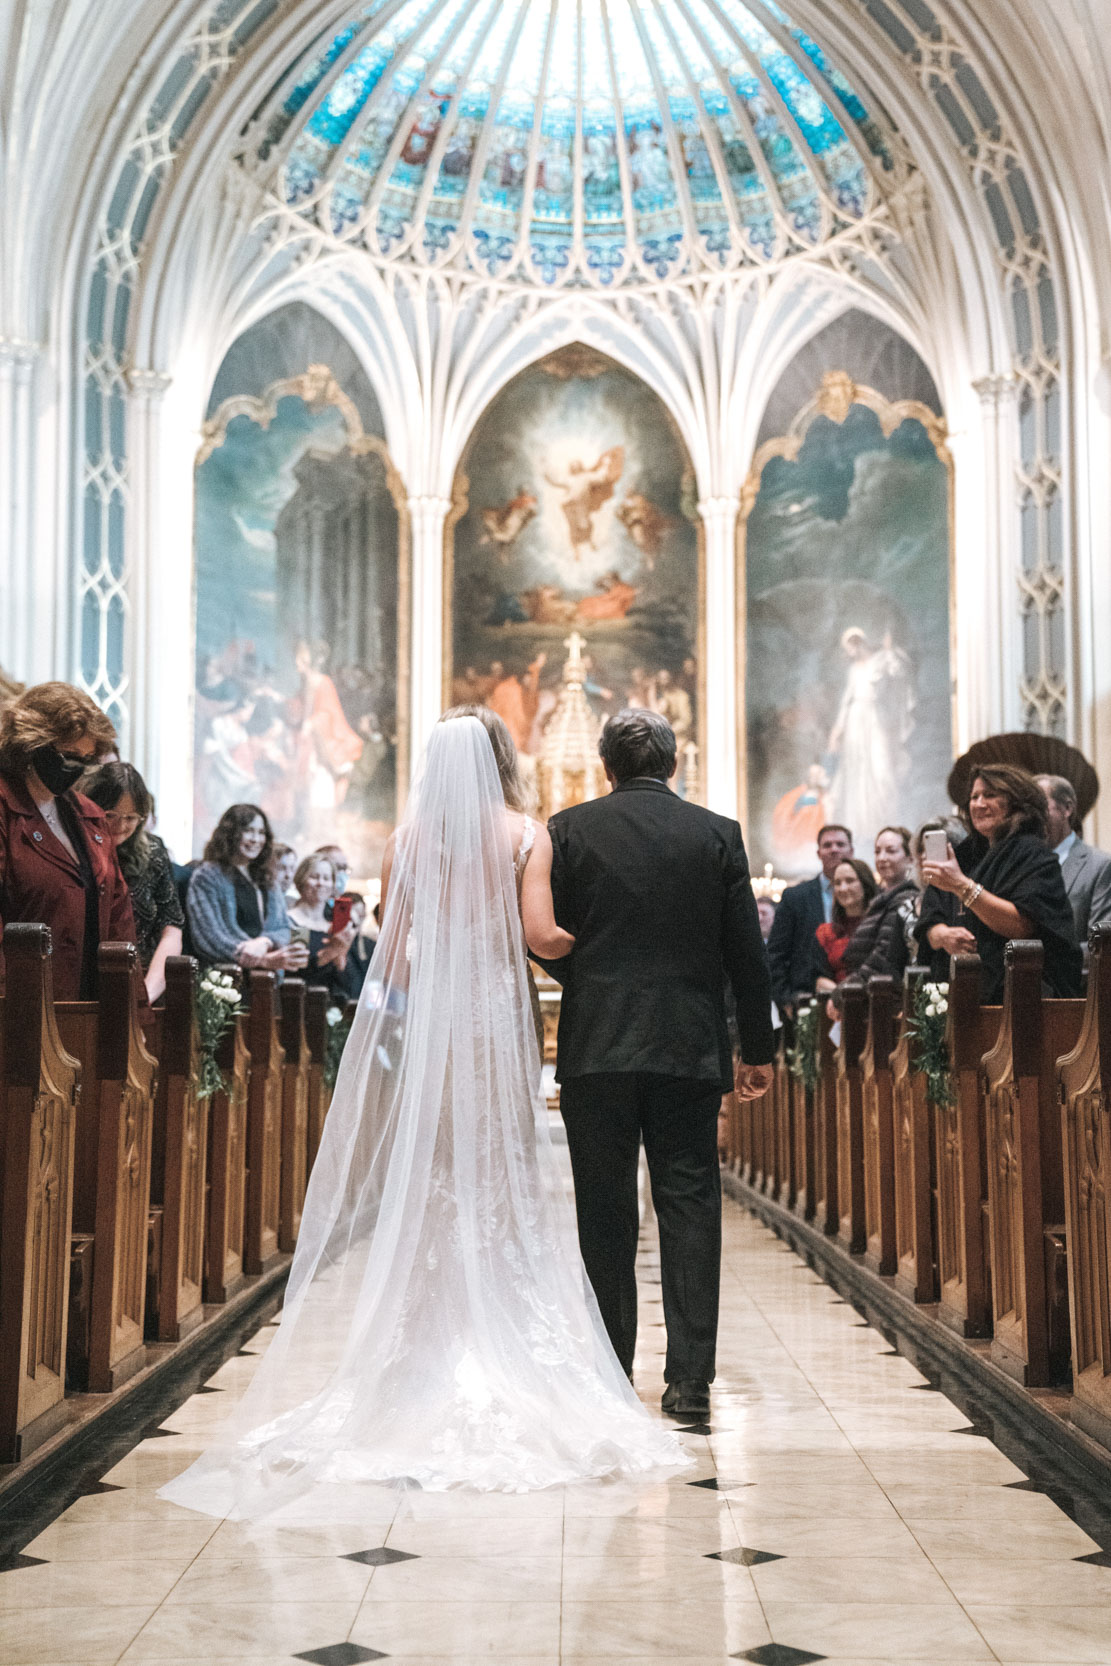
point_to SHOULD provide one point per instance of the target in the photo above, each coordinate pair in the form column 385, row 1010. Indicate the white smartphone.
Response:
column 935, row 845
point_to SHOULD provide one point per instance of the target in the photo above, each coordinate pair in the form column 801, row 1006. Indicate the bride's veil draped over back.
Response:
column 437, row 1325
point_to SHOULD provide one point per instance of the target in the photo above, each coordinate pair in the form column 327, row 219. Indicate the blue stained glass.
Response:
column 664, row 105
column 90, row 638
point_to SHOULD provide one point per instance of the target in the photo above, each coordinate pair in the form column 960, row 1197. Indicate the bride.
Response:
column 438, row 1327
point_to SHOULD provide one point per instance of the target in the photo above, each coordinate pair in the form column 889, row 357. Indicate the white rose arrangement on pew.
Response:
column 929, row 1025
column 218, row 1007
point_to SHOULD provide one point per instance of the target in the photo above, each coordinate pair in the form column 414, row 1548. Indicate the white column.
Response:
column 21, row 576
column 724, row 657
column 988, row 647
column 427, row 517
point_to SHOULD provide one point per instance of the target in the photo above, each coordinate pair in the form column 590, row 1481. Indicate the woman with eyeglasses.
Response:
column 58, row 863
column 124, row 797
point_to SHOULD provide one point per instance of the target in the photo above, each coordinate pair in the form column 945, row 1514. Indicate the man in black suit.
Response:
column 802, row 908
column 658, row 896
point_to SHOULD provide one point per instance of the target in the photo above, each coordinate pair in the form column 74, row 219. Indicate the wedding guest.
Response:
column 765, row 907
column 124, row 797
column 285, row 866
column 854, row 886
column 802, row 908
column 341, row 866
column 328, row 955
column 878, row 947
column 1085, row 870
column 58, row 862
column 234, row 907
column 362, row 949
column 1007, row 881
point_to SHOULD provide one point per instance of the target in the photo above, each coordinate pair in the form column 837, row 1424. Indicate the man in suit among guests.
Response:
column 802, row 908
column 1085, row 871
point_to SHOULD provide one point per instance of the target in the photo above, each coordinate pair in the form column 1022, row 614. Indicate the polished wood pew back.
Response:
column 877, row 1104
column 912, row 1117
column 963, row 1239
column 850, row 1116
column 180, row 1155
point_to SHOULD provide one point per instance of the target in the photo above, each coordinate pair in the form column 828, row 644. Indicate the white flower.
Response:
column 227, row 980
column 333, row 1016
column 229, row 996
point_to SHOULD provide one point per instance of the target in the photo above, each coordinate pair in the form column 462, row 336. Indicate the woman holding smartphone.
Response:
column 1006, row 881
column 328, row 940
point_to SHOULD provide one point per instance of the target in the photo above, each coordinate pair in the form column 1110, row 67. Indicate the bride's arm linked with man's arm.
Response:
column 546, row 939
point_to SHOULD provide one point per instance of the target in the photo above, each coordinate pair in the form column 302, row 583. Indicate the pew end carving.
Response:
column 181, row 1152
column 960, row 1158
column 848, row 1095
column 296, row 1062
column 877, row 1101
column 38, row 1110
column 912, row 1115
column 261, row 1248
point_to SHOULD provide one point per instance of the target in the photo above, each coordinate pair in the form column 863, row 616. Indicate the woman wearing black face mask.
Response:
column 57, row 857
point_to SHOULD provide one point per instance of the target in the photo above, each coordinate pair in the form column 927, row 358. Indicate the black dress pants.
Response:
column 606, row 1118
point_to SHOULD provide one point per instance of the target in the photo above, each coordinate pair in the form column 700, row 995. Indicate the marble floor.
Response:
column 836, row 1512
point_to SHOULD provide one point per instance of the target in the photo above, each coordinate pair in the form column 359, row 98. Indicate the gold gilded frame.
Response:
column 837, row 394
column 318, row 388
column 576, row 359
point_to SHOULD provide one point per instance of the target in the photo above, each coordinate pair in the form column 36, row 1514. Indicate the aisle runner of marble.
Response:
column 836, row 1513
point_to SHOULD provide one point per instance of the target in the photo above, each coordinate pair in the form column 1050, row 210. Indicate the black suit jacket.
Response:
column 657, row 893
column 792, row 945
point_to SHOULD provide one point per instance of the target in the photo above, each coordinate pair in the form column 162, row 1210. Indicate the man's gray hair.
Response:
column 1063, row 794
column 638, row 742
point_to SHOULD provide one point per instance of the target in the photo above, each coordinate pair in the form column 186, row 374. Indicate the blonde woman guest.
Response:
column 329, row 955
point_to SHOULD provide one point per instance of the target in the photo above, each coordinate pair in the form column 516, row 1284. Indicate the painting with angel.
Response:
column 575, row 511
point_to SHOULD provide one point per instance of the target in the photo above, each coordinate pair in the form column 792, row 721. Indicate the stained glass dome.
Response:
column 603, row 141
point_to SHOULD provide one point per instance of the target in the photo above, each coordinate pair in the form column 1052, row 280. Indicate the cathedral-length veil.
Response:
column 438, row 1326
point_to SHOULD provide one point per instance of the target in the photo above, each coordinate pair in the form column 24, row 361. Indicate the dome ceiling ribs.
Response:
column 755, row 149
column 586, row 142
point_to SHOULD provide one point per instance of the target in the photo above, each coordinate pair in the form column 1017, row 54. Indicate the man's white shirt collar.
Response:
column 1061, row 851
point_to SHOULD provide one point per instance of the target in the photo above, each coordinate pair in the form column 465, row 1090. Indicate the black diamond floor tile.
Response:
column 11, row 1563
column 344, row 1654
column 1096, row 1558
column 778, row 1654
column 380, row 1556
column 718, row 1483
column 695, row 1429
column 98, row 1487
column 745, row 1557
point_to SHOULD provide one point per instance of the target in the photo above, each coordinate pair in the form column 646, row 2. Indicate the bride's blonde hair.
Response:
column 505, row 754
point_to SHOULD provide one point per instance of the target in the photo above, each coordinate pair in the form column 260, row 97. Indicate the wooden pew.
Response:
column 39, row 1086
column 1026, row 1202
column 877, row 1101
column 295, row 1111
column 1084, row 1078
column 261, row 1248
column 784, row 1115
column 804, row 1148
column 827, row 1213
column 227, row 1168
column 180, row 1155
column 962, row 1219
column 112, row 1163
column 850, row 1117
column 915, row 1274
column 320, row 1094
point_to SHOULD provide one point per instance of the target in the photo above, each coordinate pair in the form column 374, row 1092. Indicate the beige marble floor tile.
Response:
column 991, row 1580
column 536, row 1536
column 832, row 1579
column 621, row 1536
column 92, row 1584
column 168, row 1539
column 1027, row 1632
column 1011, row 1542
column 247, row 1631
column 236, row 1540
column 509, row 1630
column 939, row 1632
column 474, row 1578
column 661, row 1630
column 848, row 1538
column 588, row 1579
column 257, row 1579
column 972, row 1503
column 810, row 1501
column 36, row 1637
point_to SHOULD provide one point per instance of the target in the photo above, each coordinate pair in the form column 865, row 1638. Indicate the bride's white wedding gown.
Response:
column 438, row 1327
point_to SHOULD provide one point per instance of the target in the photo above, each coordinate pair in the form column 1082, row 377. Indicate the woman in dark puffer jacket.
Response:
column 879, row 945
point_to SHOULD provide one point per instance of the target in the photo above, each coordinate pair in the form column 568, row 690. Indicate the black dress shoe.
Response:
column 688, row 1401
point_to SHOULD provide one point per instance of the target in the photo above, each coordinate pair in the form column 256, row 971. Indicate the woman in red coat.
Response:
column 854, row 886
column 57, row 857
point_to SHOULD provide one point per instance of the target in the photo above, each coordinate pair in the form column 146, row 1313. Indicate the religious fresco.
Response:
column 576, row 514
column 846, row 550
column 299, row 545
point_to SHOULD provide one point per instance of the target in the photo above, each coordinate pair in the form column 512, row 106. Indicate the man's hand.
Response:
column 752, row 1081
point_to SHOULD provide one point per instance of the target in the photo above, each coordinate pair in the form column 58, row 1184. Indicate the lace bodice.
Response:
column 524, row 850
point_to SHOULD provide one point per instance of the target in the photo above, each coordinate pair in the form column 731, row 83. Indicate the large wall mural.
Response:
column 575, row 514
column 301, row 570
column 846, row 548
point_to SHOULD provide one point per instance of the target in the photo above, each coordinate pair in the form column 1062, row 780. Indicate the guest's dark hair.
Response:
column 106, row 785
column 834, row 827
column 223, row 844
column 1026, row 803
column 638, row 742
column 868, row 883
